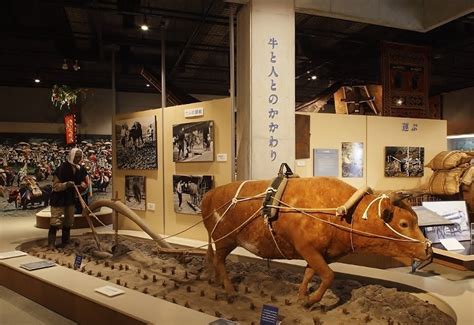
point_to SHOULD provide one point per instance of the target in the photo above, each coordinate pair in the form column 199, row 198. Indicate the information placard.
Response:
column 269, row 315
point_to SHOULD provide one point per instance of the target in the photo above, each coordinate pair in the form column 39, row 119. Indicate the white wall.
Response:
column 328, row 131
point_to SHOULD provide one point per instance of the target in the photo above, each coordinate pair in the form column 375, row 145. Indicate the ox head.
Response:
column 395, row 226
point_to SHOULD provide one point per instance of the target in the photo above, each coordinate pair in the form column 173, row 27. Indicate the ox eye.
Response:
column 404, row 224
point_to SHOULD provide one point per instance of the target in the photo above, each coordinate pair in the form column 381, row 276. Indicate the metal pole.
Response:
column 232, row 90
column 163, row 106
column 114, row 92
column 163, row 70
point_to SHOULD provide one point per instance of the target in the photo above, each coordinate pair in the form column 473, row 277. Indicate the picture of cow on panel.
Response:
column 136, row 143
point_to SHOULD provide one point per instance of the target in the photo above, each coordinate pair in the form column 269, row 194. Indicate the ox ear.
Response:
column 387, row 215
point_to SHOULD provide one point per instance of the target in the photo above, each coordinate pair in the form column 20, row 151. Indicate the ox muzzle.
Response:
column 419, row 264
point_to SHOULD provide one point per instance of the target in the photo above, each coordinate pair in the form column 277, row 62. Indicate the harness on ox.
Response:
column 275, row 192
column 272, row 200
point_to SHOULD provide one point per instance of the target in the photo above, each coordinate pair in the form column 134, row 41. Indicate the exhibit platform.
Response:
column 460, row 259
column 105, row 215
column 50, row 285
column 73, row 295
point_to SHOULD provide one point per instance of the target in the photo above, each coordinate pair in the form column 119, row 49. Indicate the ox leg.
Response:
column 320, row 267
column 219, row 267
column 308, row 275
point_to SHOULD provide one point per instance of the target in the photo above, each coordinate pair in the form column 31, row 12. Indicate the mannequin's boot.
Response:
column 65, row 236
column 52, row 237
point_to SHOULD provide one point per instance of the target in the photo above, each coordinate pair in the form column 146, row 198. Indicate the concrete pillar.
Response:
column 265, row 88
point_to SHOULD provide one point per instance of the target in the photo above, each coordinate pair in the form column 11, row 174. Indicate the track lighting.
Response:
column 76, row 66
column 65, row 66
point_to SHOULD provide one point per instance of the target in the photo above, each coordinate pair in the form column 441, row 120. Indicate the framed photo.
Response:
column 404, row 161
column 453, row 211
column 135, row 192
column 352, row 159
column 136, row 143
column 193, row 141
column 188, row 192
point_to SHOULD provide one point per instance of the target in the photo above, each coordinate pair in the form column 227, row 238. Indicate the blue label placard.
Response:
column 269, row 315
column 78, row 261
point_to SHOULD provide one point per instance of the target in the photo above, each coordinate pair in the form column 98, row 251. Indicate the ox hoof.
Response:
column 304, row 302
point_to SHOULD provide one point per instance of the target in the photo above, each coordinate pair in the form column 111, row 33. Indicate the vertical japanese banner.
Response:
column 273, row 87
column 71, row 128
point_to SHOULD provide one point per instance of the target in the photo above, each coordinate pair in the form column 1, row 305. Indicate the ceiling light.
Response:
column 144, row 27
column 37, row 81
column 76, row 66
column 65, row 66
column 399, row 101
column 314, row 77
column 148, row 85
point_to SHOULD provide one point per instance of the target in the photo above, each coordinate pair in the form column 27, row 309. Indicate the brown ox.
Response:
column 305, row 235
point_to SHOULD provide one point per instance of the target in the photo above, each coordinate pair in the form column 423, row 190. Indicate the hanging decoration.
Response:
column 71, row 128
column 65, row 96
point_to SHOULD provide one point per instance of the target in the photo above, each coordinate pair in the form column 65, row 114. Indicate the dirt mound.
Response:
column 135, row 263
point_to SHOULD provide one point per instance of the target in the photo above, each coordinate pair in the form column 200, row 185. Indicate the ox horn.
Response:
column 397, row 196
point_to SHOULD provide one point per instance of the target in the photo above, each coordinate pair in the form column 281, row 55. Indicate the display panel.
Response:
column 136, row 143
column 404, row 161
column 454, row 212
column 193, row 141
column 352, row 159
column 188, row 192
column 135, row 192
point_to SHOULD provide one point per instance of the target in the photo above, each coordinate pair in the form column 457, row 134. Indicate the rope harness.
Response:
column 272, row 204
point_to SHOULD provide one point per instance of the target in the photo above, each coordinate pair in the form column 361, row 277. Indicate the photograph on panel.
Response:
column 193, row 141
column 352, row 159
column 28, row 161
column 456, row 223
column 135, row 194
column 136, row 143
column 188, row 192
column 404, row 161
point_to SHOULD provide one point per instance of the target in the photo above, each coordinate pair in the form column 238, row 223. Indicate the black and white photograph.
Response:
column 135, row 192
column 455, row 213
column 136, row 143
column 404, row 161
column 188, row 192
column 352, row 159
column 193, row 141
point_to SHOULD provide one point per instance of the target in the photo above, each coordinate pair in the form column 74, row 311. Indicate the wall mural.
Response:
column 188, row 192
column 136, row 143
column 40, row 154
column 135, row 192
column 352, row 159
column 193, row 142
column 404, row 161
